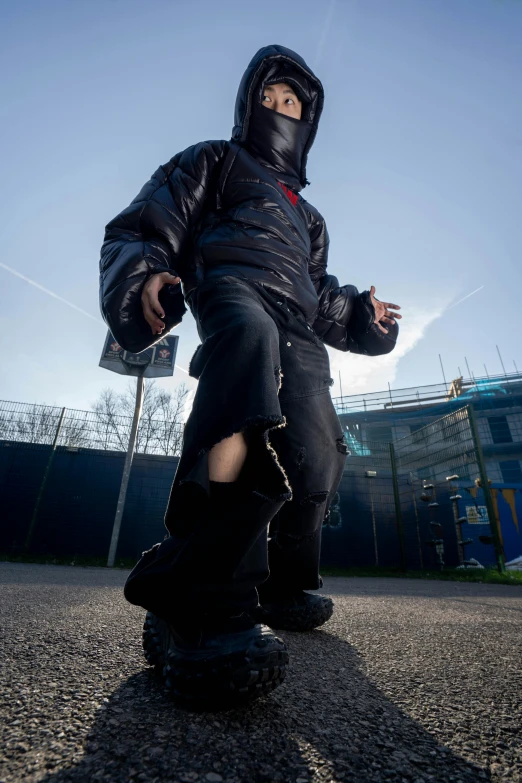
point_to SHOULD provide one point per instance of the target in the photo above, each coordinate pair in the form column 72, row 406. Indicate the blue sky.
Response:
column 417, row 166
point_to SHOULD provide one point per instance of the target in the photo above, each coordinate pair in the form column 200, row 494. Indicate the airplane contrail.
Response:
column 50, row 293
column 61, row 299
column 324, row 33
column 466, row 297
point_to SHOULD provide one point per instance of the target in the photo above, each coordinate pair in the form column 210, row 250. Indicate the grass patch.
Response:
column 70, row 560
column 483, row 575
column 486, row 575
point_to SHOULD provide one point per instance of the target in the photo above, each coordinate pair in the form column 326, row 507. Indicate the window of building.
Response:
column 379, row 433
column 418, row 434
column 500, row 431
column 511, row 472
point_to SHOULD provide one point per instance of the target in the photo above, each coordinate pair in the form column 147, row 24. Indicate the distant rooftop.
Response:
column 418, row 397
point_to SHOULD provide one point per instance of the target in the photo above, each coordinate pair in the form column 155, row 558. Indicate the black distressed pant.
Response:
column 262, row 371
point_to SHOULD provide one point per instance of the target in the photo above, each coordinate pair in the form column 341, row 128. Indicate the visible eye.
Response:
column 291, row 100
column 265, row 97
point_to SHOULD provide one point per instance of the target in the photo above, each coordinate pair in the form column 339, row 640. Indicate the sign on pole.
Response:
column 155, row 362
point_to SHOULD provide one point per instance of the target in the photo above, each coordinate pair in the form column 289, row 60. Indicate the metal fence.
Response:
column 361, row 528
column 432, row 465
column 461, row 389
column 47, row 425
column 398, row 503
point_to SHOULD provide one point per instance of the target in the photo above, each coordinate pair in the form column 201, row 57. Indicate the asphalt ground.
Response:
column 410, row 681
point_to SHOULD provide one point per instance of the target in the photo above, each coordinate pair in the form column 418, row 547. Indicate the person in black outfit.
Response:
column 223, row 228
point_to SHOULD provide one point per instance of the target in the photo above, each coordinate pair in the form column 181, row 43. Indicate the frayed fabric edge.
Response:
column 256, row 423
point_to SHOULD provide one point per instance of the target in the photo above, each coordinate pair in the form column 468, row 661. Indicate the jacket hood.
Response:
column 277, row 63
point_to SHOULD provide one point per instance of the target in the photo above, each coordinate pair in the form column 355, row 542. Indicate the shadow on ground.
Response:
column 328, row 722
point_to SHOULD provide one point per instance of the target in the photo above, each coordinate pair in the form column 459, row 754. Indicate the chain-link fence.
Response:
column 433, row 463
column 107, row 431
column 411, row 502
column 360, row 528
column 400, row 503
column 60, row 474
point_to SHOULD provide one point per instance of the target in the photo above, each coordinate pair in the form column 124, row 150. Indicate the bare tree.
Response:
column 76, row 430
column 161, row 423
column 30, row 423
column 27, row 423
column 36, row 424
column 111, row 424
column 169, row 413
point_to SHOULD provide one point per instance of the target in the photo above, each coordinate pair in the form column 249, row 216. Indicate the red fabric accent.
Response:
column 290, row 193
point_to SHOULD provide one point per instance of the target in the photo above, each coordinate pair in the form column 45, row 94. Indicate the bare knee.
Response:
column 226, row 458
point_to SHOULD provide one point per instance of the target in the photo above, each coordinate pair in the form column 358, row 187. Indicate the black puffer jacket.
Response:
column 219, row 208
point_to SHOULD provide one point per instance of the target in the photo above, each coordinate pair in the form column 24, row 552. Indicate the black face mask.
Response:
column 278, row 142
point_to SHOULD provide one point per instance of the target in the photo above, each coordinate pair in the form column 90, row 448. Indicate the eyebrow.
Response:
column 285, row 90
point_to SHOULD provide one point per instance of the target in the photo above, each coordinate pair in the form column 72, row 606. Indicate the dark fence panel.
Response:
column 361, row 529
column 78, row 505
column 395, row 504
column 147, row 497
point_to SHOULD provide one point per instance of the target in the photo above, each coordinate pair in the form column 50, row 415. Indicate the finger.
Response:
column 152, row 319
column 171, row 279
column 382, row 328
column 372, row 290
column 388, row 320
column 392, row 314
column 154, row 303
column 390, row 306
column 155, row 324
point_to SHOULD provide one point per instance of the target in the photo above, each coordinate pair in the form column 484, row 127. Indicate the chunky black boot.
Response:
column 217, row 665
column 298, row 611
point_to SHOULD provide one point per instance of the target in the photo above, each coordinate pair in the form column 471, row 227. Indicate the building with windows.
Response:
column 393, row 415
column 412, row 489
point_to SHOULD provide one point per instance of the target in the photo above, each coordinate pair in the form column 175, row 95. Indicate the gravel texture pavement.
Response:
column 411, row 681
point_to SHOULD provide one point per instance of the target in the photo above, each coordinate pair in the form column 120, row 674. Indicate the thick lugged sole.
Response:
column 239, row 668
column 296, row 618
column 154, row 649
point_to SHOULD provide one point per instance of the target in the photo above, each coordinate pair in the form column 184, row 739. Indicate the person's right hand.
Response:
column 383, row 311
column 152, row 310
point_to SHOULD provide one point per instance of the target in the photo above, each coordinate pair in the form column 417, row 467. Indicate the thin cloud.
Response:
column 360, row 374
column 324, row 33
column 466, row 297
column 61, row 299
column 50, row 293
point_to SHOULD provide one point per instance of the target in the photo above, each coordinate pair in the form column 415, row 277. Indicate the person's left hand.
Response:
column 383, row 311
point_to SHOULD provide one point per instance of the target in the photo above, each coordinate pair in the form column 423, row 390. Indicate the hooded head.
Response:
column 279, row 142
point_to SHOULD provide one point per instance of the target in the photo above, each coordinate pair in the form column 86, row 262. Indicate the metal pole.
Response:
column 467, row 365
column 398, row 512
column 374, row 524
column 389, row 389
column 443, row 375
column 493, row 520
column 416, row 519
column 516, row 368
column 32, row 523
column 487, row 373
column 501, row 362
column 126, row 471
column 341, row 386
column 458, row 531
